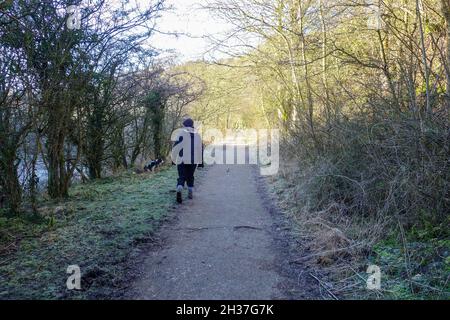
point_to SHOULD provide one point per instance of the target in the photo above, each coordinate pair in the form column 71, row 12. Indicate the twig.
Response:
column 324, row 286
column 405, row 247
column 425, row 286
column 326, row 252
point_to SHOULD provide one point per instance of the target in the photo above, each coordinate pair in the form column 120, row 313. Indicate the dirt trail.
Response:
column 220, row 247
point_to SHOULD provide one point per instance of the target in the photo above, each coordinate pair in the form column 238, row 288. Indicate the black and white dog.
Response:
column 153, row 164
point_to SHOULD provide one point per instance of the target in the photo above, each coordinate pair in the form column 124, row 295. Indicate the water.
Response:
column 42, row 175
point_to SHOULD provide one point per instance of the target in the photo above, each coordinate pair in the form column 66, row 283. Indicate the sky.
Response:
column 194, row 25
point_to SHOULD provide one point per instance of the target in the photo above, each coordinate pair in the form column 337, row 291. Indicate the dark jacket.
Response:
column 194, row 146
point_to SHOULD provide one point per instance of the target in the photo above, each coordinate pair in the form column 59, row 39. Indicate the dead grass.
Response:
column 341, row 243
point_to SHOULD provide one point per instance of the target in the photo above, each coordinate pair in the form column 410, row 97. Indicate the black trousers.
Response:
column 186, row 174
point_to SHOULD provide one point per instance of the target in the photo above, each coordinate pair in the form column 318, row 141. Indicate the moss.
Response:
column 97, row 228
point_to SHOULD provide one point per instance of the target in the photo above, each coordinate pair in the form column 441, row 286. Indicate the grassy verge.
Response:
column 415, row 268
column 98, row 228
column 414, row 262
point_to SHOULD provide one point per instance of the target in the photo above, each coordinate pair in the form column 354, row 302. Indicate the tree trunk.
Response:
column 119, row 151
column 13, row 188
column 446, row 12
column 324, row 63
column 386, row 70
column 157, row 122
column 57, row 186
column 95, row 143
column 34, row 180
column 9, row 179
column 95, row 169
column 424, row 59
column 307, row 82
column 155, row 108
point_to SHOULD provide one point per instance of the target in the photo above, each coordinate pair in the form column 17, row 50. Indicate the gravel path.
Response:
column 221, row 246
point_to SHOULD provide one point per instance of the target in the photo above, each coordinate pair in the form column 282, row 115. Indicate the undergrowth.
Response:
column 414, row 258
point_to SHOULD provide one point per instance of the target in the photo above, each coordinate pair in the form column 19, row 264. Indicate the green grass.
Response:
column 418, row 268
column 98, row 228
